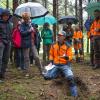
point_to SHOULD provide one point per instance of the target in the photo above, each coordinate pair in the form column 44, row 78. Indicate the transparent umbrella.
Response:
column 35, row 10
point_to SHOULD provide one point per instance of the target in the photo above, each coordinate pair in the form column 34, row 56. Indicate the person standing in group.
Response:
column 26, row 31
column 33, row 50
column 18, row 56
column 47, row 36
column 5, row 41
column 77, row 41
column 69, row 33
column 38, row 38
column 95, row 37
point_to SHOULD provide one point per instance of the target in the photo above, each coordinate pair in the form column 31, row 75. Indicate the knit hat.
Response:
column 5, row 12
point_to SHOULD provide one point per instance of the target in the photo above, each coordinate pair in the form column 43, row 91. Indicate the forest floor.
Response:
column 18, row 87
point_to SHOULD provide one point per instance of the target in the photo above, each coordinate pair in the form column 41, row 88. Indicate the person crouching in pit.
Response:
column 60, row 57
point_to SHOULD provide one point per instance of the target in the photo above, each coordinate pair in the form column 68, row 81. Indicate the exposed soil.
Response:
column 34, row 87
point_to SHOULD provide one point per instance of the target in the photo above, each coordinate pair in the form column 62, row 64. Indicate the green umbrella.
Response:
column 46, row 19
column 91, row 7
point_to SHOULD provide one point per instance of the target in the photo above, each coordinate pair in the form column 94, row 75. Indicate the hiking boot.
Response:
column 31, row 65
column 73, row 90
column 91, row 64
column 94, row 67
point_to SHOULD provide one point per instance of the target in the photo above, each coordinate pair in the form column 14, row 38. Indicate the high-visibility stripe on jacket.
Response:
column 56, row 51
column 95, row 25
column 78, row 35
column 77, row 46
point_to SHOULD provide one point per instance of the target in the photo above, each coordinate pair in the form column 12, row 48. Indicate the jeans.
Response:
column 46, row 49
column 26, row 58
column 53, row 73
column 91, row 53
column 19, row 58
column 66, row 70
column 97, row 51
column 4, row 57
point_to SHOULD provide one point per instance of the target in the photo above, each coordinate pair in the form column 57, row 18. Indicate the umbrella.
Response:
column 35, row 9
column 91, row 7
column 46, row 19
column 67, row 19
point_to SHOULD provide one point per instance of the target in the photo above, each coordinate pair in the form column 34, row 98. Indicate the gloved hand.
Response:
column 65, row 57
column 51, row 61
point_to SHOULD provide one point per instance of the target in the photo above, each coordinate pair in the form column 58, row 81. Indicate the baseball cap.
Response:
column 62, row 33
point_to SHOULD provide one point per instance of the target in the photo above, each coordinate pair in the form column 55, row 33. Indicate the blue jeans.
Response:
column 53, row 73
column 66, row 70
column 4, row 57
column 19, row 58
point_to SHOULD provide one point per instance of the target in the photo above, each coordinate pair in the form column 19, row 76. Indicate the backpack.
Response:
column 16, row 37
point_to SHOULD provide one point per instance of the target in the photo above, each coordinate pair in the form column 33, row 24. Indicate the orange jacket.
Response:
column 95, row 26
column 78, row 35
column 57, row 51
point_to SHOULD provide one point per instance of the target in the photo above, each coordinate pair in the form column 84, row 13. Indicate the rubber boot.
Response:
column 76, row 56
column 81, row 58
column 73, row 91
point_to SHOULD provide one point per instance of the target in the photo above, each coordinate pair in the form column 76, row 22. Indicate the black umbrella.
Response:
column 67, row 19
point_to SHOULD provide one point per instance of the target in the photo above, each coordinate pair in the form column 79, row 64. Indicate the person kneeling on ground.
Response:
column 60, row 57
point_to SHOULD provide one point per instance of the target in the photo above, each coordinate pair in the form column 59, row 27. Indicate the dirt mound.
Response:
column 34, row 87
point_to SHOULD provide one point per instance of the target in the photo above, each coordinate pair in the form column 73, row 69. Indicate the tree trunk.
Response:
column 7, row 4
column 33, row 0
column 66, row 3
column 81, row 20
column 15, row 20
column 26, row 0
column 45, row 3
column 15, row 4
column 76, row 9
column 80, row 15
column 88, row 39
column 55, row 15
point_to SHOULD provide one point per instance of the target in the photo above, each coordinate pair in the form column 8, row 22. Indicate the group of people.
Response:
column 59, row 53
column 29, row 43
